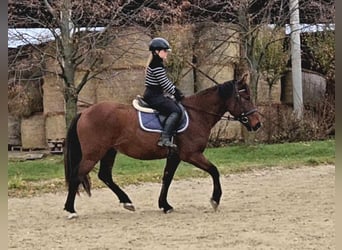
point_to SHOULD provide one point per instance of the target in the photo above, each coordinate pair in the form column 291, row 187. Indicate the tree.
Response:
column 76, row 42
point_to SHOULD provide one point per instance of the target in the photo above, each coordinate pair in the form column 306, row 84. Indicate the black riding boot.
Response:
column 169, row 127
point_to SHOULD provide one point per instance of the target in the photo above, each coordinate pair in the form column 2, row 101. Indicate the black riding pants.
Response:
column 163, row 104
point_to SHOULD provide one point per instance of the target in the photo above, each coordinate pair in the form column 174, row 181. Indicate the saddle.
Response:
column 152, row 121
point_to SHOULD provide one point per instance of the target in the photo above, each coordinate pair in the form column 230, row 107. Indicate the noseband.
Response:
column 243, row 117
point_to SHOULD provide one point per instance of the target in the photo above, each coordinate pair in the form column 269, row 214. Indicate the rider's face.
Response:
column 162, row 53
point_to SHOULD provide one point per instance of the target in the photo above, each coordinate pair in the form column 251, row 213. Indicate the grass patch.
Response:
column 47, row 174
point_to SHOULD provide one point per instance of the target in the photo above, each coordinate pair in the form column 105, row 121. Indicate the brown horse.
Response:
column 104, row 129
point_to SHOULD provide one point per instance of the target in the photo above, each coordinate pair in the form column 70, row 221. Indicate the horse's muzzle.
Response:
column 256, row 126
column 252, row 128
column 250, row 120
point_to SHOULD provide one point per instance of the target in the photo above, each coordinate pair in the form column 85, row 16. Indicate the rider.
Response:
column 157, row 84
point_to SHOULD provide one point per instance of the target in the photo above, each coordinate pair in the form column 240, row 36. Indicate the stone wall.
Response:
column 14, row 134
column 266, row 94
column 33, row 132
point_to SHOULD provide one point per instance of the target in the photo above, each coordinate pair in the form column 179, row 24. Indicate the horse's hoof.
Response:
column 165, row 207
column 72, row 216
column 168, row 211
column 129, row 206
column 214, row 204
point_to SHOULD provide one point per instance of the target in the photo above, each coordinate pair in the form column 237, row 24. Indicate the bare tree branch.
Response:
column 50, row 9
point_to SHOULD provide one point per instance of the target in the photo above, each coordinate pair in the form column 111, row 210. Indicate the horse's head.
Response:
column 239, row 103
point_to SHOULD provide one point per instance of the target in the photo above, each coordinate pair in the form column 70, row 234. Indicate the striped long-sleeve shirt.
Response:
column 156, row 76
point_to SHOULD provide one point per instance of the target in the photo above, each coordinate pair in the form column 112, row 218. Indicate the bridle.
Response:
column 243, row 117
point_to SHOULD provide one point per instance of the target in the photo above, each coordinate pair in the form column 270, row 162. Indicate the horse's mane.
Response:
column 224, row 90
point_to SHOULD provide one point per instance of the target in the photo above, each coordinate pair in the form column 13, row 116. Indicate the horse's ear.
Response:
column 244, row 79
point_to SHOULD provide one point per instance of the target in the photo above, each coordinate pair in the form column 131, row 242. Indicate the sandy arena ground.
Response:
column 264, row 209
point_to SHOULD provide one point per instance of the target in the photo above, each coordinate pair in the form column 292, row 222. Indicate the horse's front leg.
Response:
column 172, row 163
column 201, row 162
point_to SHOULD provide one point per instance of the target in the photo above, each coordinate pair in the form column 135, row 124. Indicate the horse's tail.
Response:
column 73, row 156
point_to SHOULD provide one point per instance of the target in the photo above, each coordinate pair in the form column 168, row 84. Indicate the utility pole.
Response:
column 296, row 59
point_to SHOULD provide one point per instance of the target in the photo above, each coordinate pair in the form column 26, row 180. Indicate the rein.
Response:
column 227, row 117
column 242, row 117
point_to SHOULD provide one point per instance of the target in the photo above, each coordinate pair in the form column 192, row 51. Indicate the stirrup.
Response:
column 165, row 142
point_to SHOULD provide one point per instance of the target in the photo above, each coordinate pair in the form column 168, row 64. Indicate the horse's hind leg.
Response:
column 169, row 171
column 105, row 174
column 73, row 186
column 72, row 190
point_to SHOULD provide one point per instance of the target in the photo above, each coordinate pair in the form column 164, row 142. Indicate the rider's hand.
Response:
column 178, row 95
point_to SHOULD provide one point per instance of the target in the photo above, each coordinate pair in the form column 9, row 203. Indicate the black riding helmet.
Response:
column 159, row 43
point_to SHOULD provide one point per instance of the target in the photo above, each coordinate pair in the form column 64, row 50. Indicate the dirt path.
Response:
column 267, row 209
